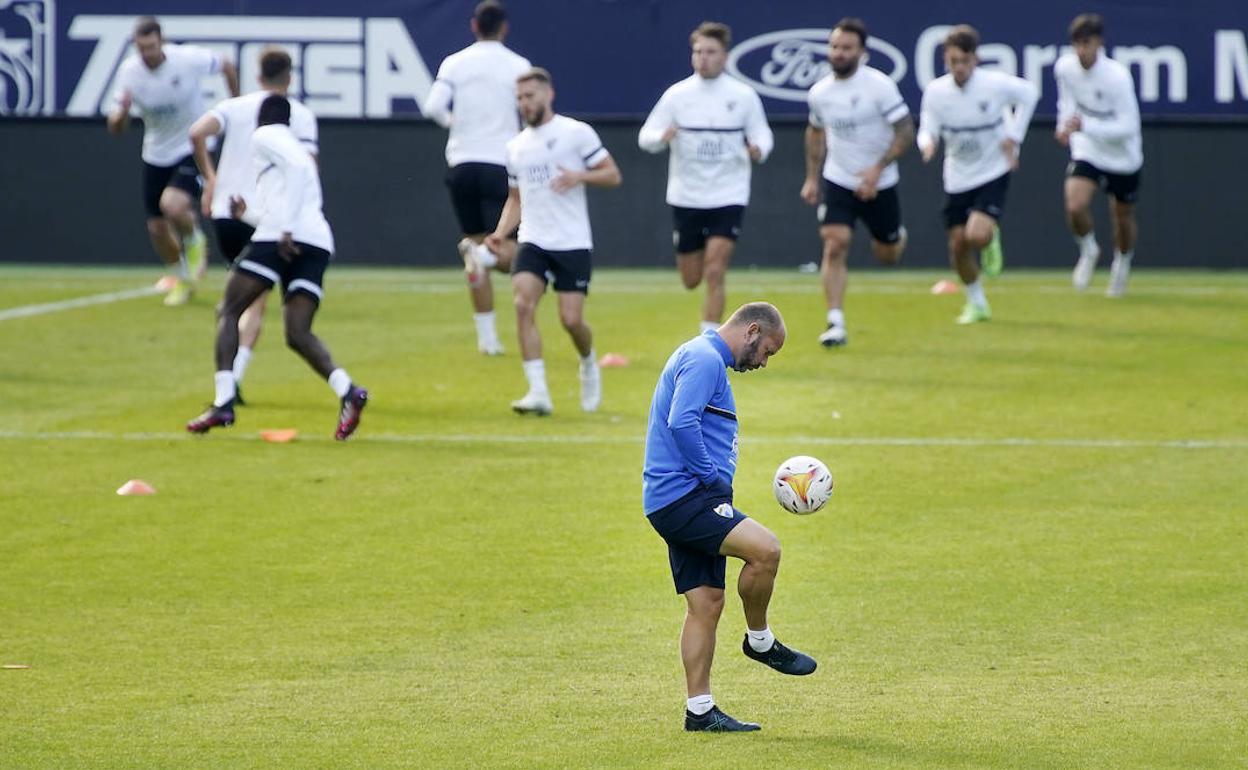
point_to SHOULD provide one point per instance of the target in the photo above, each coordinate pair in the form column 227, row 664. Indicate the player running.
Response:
column 474, row 96
column 859, row 127
column 691, row 457
column 715, row 127
column 548, row 166
column 982, row 116
column 161, row 84
column 292, row 243
column 1098, row 117
column 234, row 176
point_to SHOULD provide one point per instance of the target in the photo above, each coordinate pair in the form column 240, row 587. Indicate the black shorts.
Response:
column 695, row 527
column 1124, row 187
column 233, row 235
column 478, row 193
column 882, row 214
column 691, row 227
column 989, row 198
column 567, row 270
column 305, row 273
column 183, row 175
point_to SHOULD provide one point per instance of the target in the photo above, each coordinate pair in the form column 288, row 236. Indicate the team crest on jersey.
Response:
column 1099, row 94
column 853, row 101
column 983, row 106
column 732, row 106
column 176, row 81
column 550, row 143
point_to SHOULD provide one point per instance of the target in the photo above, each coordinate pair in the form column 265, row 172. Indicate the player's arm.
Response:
column 928, row 136
column 695, row 385
column 903, row 135
column 759, row 140
column 600, row 169
column 209, row 124
column 660, row 127
column 816, row 150
column 508, row 221
column 294, row 182
column 1023, row 96
column 1067, row 117
column 1125, row 118
column 119, row 119
column 230, row 72
column 437, row 106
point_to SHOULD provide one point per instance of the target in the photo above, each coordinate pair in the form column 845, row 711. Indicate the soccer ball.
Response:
column 803, row 484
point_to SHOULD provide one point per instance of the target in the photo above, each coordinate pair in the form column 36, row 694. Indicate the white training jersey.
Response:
column 288, row 189
column 857, row 114
column 709, row 165
column 973, row 120
column 237, row 118
column 475, row 96
column 1104, row 99
column 168, row 98
column 555, row 221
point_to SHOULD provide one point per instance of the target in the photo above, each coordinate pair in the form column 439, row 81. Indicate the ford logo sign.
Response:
column 785, row 64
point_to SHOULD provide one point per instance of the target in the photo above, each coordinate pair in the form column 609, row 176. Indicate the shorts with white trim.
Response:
column 303, row 273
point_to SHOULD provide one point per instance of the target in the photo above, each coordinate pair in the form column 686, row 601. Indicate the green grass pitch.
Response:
column 1035, row 557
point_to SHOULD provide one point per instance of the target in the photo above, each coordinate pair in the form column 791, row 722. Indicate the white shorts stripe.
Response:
column 258, row 269
column 306, row 285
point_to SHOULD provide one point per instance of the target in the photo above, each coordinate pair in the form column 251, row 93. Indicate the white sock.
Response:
column 1087, row 243
column 760, row 641
column 486, row 331
column 535, row 373
column 340, row 381
column 588, row 360
column 182, row 271
column 975, row 294
column 836, row 317
column 700, row 704
column 1124, row 256
column 224, row 382
column 241, row 359
column 708, row 326
column 485, row 257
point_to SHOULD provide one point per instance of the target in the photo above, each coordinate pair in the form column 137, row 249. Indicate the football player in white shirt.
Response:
column 548, row 166
column 474, row 96
column 161, row 84
column 715, row 127
column 859, row 127
column 982, row 116
column 234, row 177
column 292, row 243
column 1098, row 117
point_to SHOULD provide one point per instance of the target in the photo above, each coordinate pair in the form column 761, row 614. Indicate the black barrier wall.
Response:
column 70, row 193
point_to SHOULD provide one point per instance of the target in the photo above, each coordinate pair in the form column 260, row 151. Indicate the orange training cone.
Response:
column 279, row 435
column 613, row 361
column 136, row 487
column 945, row 287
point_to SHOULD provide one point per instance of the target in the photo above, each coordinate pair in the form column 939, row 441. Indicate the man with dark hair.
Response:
column 160, row 83
column 982, row 116
column 691, row 458
column 859, row 127
column 474, row 96
column 549, row 164
column 292, row 243
column 715, row 128
column 234, row 177
column 1098, row 117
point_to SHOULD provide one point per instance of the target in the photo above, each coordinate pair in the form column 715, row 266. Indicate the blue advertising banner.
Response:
column 377, row 58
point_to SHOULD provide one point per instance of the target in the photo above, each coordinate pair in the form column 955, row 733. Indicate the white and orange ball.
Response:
column 802, row 484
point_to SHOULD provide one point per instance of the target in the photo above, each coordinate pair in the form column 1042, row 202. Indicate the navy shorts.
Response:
column 691, row 227
column 478, row 193
column 566, row 270
column 989, row 198
column 1124, row 187
column 695, row 527
column 233, row 235
column 184, row 175
column 304, row 273
column 881, row 215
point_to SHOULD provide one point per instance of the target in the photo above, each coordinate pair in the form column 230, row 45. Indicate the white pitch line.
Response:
column 25, row 311
column 467, row 438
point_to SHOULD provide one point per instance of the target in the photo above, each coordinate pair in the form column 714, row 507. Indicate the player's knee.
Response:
column 156, row 227
column 709, row 606
column 173, row 205
column 766, row 553
column 690, row 280
column 888, row 253
column 526, row 307
column 297, row 339
column 571, row 320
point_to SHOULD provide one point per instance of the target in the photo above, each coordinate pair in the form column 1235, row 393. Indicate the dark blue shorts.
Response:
column 694, row 527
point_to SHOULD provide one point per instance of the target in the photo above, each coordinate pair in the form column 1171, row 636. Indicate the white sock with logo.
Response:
column 340, row 381
column 535, row 373
column 700, row 704
column 1087, row 243
column 836, row 317
column 975, row 294
column 241, row 359
column 224, row 382
column 760, row 641
column 485, row 257
column 707, row 326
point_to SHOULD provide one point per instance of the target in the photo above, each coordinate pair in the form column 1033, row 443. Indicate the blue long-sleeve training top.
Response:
column 692, row 436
